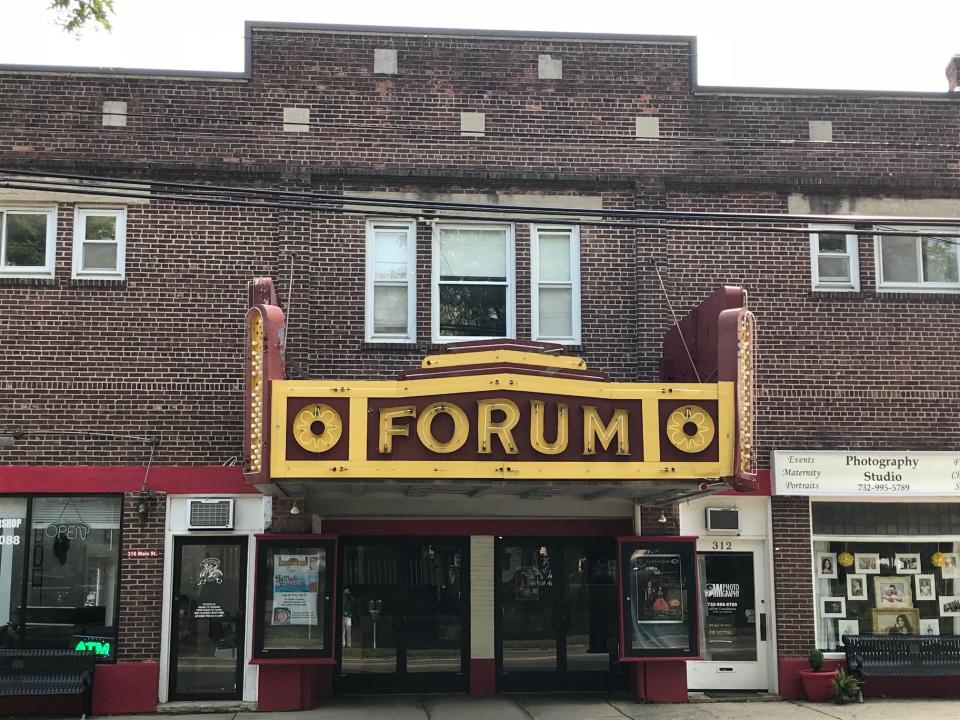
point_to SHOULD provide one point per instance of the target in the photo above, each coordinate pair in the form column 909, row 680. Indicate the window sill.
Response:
column 27, row 280
column 388, row 346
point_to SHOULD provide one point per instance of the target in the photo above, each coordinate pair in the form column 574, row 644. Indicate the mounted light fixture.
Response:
column 662, row 517
column 295, row 508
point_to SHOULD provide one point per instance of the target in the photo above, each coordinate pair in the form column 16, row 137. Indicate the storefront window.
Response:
column 905, row 584
column 62, row 574
column 294, row 598
column 660, row 612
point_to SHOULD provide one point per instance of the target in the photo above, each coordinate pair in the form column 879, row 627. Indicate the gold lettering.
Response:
column 388, row 430
column 539, row 443
column 594, row 428
column 461, row 427
column 503, row 429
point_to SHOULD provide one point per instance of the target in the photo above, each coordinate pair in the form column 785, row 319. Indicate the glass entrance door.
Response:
column 403, row 615
column 557, row 614
column 733, row 641
column 209, row 584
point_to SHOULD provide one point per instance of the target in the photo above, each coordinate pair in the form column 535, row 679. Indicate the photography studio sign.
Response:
column 866, row 474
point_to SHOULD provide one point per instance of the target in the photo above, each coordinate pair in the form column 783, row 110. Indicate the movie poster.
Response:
column 296, row 582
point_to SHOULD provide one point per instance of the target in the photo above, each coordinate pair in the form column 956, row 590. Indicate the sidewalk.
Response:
column 582, row 707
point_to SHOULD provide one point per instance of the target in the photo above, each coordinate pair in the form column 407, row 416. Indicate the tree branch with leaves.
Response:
column 75, row 15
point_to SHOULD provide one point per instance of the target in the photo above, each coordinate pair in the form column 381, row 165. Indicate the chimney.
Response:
column 953, row 72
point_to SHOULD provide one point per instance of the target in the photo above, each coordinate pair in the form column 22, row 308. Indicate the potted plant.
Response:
column 817, row 682
column 846, row 688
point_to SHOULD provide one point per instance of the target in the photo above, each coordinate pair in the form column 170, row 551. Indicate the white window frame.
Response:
column 79, row 238
column 573, row 283
column 410, row 336
column 920, row 286
column 511, row 280
column 48, row 269
column 853, row 254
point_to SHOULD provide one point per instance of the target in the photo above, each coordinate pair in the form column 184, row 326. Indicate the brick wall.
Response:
column 793, row 581
column 141, row 581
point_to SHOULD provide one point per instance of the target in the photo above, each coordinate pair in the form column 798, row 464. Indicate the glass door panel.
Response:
column 370, row 608
column 433, row 627
column 728, row 607
column 591, row 600
column 529, row 608
column 208, row 618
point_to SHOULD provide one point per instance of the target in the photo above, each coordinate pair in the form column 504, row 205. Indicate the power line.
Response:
column 391, row 210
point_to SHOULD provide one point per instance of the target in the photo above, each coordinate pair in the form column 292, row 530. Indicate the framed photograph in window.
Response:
column 867, row 563
column 926, row 587
column 949, row 605
column 827, row 565
column 856, row 587
column 929, row 627
column 951, row 566
column 833, row 607
column 896, row 621
column 847, row 627
column 892, row 592
column 907, row 563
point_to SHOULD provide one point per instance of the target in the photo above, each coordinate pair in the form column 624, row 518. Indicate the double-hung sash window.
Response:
column 907, row 262
column 391, row 281
column 473, row 282
column 835, row 260
column 99, row 244
column 27, row 243
column 555, row 284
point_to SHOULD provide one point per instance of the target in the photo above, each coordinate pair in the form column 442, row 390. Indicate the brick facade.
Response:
column 141, row 581
column 161, row 352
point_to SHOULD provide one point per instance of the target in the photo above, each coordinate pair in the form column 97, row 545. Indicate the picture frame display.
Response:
column 926, row 587
column 857, row 587
column 896, row 621
column 949, row 605
column 847, row 627
column 929, row 627
column 951, row 566
column 867, row 563
column 833, row 607
column 907, row 563
column 827, row 565
column 892, row 591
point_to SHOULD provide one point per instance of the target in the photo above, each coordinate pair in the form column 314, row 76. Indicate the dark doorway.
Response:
column 403, row 615
column 206, row 642
column 556, row 615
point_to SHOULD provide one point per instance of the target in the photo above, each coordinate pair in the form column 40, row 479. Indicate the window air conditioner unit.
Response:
column 725, row 520
column 210, row 514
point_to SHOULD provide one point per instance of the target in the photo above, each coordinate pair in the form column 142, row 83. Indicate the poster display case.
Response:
column 658, row 597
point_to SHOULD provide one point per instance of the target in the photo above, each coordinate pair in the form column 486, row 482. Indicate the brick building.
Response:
column 325, row 166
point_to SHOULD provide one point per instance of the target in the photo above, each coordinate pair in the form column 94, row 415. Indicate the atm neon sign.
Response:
column 100, row 649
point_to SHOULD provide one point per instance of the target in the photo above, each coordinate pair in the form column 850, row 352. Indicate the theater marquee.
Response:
column 503, row 414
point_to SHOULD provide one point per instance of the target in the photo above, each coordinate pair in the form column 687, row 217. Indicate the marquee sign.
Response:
column 501, row 414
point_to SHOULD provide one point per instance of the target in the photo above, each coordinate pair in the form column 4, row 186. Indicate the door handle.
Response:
column 763, row 627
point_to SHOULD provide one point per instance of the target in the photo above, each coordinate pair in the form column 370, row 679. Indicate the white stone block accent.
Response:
column 821, row 131
column 296, row 119
column 114, row 113
column 648, row 126
column 482, row 587
column 473, row 123
column 385, row 61
column 549, row 68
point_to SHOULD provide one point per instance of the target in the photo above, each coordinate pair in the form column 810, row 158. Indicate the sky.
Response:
column 838, row 44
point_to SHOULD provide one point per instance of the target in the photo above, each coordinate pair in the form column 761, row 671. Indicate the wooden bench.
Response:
column 902, row 656
column 47, row 672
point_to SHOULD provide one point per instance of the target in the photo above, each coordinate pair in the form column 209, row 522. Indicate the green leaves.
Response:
column 75, row 15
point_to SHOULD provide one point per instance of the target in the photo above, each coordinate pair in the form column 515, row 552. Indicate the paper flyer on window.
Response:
column 296, row 580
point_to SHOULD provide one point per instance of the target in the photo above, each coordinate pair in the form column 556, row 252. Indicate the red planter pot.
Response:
column 818, row 684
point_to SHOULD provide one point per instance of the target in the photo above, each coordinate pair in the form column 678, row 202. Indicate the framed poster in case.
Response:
column 658, row 597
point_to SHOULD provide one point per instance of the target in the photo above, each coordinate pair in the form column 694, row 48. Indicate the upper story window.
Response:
column 555, row 283
column 912, row 263
column 99, row 244
column 473, row 282
column 391, row 281
column 27, row 244
column 834, row 260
